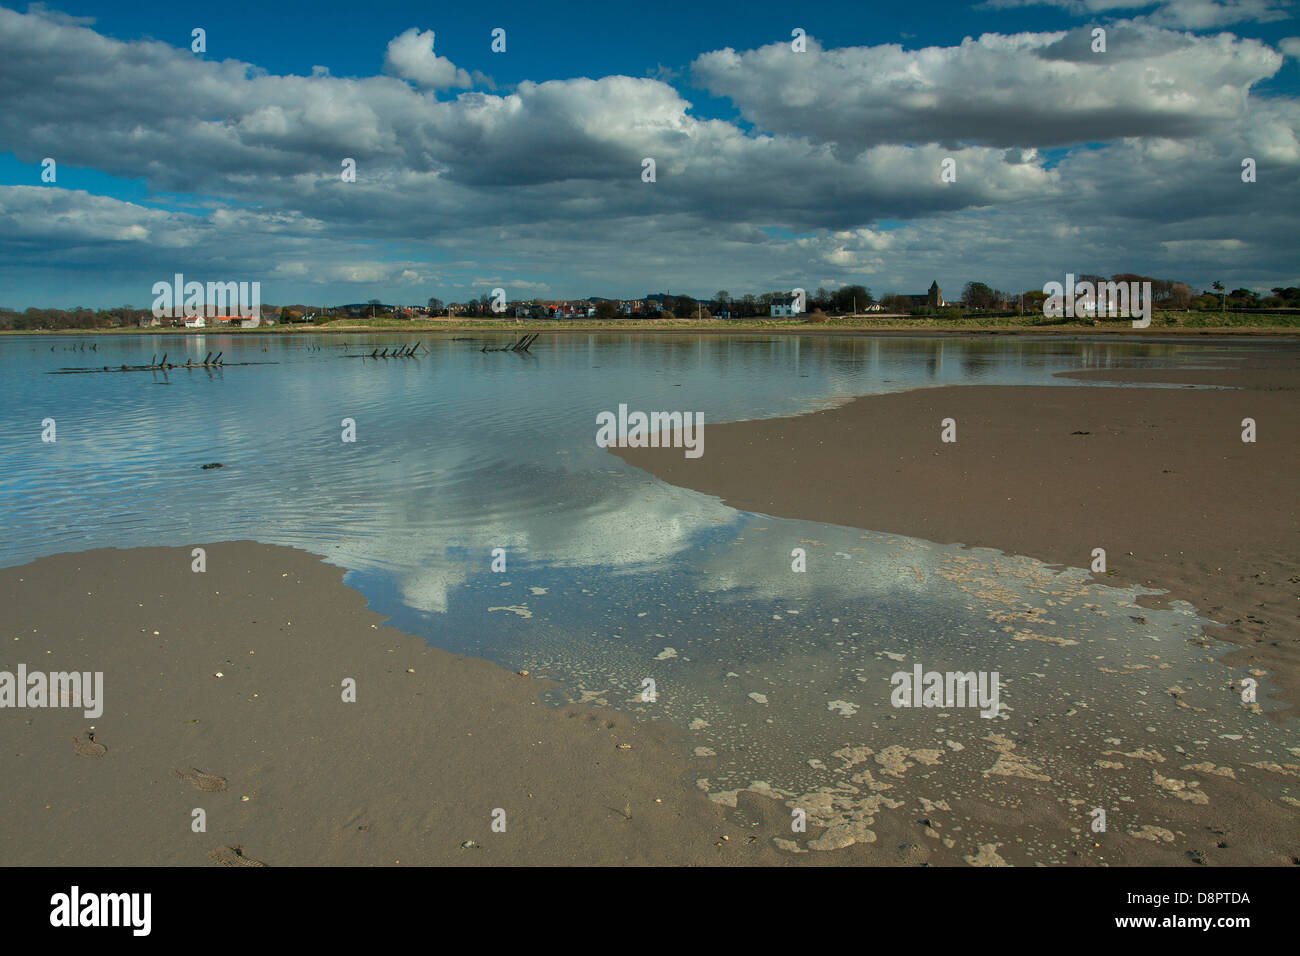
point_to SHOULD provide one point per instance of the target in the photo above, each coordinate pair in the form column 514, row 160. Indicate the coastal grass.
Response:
column 1161, row 322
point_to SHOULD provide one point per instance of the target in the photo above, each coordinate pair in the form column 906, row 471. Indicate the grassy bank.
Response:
column 1161, row 322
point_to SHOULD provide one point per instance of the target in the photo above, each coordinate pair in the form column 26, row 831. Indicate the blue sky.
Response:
column 567, row 39
column 522, row 168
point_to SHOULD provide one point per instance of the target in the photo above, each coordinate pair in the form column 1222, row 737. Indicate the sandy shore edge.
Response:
column 223, row 693
column 1159, row 478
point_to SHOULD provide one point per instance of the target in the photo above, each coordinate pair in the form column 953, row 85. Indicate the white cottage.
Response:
column 784, row 306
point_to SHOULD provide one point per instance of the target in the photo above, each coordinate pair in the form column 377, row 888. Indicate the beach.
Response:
column 264, row 692
column 1158, row 478
column 223, row 692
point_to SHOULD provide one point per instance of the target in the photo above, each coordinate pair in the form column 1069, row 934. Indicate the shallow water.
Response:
column 455, row 447
column 612, row 576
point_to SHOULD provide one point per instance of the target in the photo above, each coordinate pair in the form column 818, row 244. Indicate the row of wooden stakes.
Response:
column 520, row 346
column 406, row 351
column 157, row 365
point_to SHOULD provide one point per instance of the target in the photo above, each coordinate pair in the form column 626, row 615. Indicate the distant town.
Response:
column 976, row 299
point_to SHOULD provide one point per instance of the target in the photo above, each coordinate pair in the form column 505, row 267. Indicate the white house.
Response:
column 783, row 306
column 195, row 322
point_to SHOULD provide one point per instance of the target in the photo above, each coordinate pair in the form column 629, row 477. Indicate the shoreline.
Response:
column 1052, row 472
column 651, row 328
column 223, row 693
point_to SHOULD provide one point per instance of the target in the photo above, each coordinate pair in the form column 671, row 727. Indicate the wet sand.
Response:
column 409, row 774
column 1159, row 478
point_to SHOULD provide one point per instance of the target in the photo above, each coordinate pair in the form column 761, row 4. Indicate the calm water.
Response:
column 613, row 577
column 456, row 450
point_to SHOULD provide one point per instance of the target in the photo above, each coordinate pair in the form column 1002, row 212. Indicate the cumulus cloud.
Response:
column 1109, row 165
column 58, row 16
column 565, row 150
column 411, row 57
column 1211, row 14
column 1027, row 89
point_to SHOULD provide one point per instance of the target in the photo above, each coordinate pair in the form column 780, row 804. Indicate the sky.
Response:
column 793, row 146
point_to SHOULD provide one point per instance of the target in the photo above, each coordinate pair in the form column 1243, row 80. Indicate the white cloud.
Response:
column 1183, row 14
column 540, row 187
column 1024, row 90
column 1211, row 14
column 411, row 57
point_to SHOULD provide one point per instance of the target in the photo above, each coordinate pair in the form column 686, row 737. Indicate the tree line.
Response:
column 1167, row 295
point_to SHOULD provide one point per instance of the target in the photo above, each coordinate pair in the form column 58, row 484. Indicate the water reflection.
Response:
column 612, row 576
column 454, row 445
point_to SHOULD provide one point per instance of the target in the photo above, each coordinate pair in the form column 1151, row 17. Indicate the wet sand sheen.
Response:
column 289, row 774
column 798, row 707
column 282, row 766
column 1158, row 477
column 411, row 772
column 1019, row 479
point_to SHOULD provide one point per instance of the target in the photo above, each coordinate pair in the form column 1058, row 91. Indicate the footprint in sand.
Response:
column 199, row 780
column 232, row 856
column 88, row 747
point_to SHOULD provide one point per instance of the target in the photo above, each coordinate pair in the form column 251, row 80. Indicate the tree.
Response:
column 722, row 296
column 1217, row 286
column 1244, row 298
column 606, row 310
column 1033, row 300
column 851, row 298
column 977, row 295
column 435, row 305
